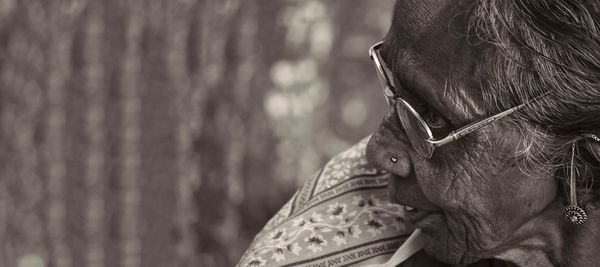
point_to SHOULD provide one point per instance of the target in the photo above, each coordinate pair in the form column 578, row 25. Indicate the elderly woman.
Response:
column 490, row 143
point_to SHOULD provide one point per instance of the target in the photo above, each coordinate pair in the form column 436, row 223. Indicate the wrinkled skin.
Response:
column 481, row 204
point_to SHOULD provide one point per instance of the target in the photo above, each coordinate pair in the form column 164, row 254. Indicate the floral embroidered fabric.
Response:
column 340, row 217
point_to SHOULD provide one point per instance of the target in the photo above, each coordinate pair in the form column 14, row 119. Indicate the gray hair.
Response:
column 537, row 47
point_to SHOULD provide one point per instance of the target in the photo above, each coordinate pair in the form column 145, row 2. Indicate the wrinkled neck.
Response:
column 548, row 240
column 581, row 243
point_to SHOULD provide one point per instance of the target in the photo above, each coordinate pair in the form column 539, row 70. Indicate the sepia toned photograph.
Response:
column 299, row 133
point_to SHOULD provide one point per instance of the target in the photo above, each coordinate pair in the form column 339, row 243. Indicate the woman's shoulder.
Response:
column 341, row 216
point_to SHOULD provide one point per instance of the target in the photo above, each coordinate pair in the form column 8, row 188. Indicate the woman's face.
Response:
column 471, row 199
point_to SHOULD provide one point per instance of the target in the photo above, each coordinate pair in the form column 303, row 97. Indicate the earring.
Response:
column 573, row 213
column 394, row 159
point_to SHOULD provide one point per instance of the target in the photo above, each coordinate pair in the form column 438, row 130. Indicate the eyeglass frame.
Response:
column 392, row 99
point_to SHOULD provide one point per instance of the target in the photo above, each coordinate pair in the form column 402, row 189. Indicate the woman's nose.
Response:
column 388, row 153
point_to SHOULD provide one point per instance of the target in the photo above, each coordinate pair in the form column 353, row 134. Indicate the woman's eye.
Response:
column 434, row 120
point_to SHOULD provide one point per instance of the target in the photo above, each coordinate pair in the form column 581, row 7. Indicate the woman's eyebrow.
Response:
column 421, row 86
column 410, row 82
column 404, row 73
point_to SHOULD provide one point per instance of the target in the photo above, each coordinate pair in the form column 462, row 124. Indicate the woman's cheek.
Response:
column 439, row 183
column 525, row 194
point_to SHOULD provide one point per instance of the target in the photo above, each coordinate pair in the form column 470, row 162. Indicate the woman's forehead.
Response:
column 427, row 25
column 412, row 18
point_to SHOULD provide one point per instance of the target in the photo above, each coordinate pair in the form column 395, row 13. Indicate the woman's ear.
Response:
column 589, row 190
column 592, row 145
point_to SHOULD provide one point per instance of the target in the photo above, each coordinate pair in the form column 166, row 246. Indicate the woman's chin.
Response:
column 440, row 245
column 441, row 252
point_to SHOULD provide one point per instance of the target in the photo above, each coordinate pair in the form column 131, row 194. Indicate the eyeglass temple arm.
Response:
column 460, row 133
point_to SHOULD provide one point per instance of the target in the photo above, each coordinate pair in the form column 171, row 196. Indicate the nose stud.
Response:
column 394, row 159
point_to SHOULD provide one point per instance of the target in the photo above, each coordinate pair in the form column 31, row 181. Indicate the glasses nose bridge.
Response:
column 391, row 99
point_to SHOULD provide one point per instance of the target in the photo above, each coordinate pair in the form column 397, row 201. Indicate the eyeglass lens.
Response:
column 415, row 130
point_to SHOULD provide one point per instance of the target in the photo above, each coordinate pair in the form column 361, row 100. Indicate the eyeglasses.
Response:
column 417, row 130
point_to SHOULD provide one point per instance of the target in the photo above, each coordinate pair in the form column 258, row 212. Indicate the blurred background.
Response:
column 167, row 132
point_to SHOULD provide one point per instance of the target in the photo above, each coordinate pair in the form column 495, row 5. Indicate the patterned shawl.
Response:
column 340, row 217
